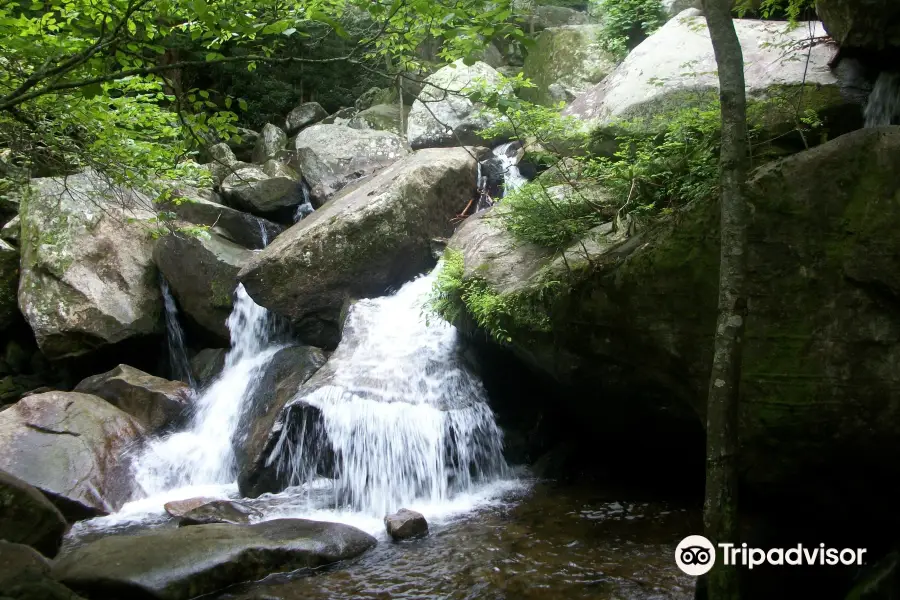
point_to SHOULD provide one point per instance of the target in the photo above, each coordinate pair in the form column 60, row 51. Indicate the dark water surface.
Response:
column 547, row 542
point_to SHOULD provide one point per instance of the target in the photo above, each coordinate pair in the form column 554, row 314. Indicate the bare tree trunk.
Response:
column 720, row 506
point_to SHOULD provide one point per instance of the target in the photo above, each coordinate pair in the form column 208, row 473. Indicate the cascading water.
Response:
column 305, row 208
column 263, row 234
column 178, row 360
column 508, row 156
column 405, row 418
column 883, row 106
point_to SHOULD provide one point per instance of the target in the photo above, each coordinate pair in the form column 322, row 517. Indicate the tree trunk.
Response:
column 720, row 506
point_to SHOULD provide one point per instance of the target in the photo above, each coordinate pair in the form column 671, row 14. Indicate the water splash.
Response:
column 407, row 421
column 883, row 106
column 178, row 360
column 509, row 161
column 203, row 454
column 306, row 208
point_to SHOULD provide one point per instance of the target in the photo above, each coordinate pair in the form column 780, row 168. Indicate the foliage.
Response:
column 628, row 22
column 792, row 10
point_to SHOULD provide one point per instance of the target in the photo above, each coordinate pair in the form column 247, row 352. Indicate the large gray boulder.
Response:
column 72, row 447
column 363, row 242
column 270, row 144
column 155, row 402
column 87, row 273
column 382, row 117
column 178, row 564
column 675, row 68
column 252, row 189
column 9, row 284
column 25, row 575
column 28, row 517
column 261, row 424
column 304, row 115
column 569, row 57
column 872, row 25
column 202, row 273
column 443, row 114
column 332, row 156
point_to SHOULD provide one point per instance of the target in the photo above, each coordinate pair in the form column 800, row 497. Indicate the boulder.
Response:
column 10, row 232
column 332, row 156
column 675, row 68
column 222, row 163
column 28, row 517
column 9, row 284
column 219, row 511
column 243, row 143
column 382, row 117
column 362, row 243
column 202, row 273
column 270, row 144
column 373, row 96
column 261, row 424
column 182, row 563
column 202, row 207
column 539, row 17
column 250, row 188
column 872, row 25
column 443, row 115
column 405, row 524
column 823, row 332
column 304, row 115
column 25, row 575
column 207, row 364
column 179, row 508
column 673, row 8
column 71, row 446
column 87, row 273
column 569, row 57
column 340, row 117
column 155, row 402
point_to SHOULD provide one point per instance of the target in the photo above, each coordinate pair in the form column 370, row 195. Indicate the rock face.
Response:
column 9, row 284
column 382, row 117
column 443, row 115
column 270, row 144
column 361, row 243
column 155, row 402
column 71, row 446
column 332, row 156
column 25, row 575
column 569, row 57
column 304, row 115
column 88, row 278
column 219, row 511
column 207, row 364
column 866, row 24
column 202, row 273
column 405, row 524
column 822, row 335
column 28, row 517
column 177, row 564
column 675, row 68
column 261, row 425
column 252, row 189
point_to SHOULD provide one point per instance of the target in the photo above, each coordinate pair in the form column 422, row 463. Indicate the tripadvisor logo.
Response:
column 696, row 555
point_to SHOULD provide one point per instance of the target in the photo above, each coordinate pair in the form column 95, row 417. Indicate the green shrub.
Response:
column 626, row 23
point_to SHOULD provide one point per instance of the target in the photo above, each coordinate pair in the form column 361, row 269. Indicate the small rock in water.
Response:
column 179, row 508
column 220, row 511
column 405, row 524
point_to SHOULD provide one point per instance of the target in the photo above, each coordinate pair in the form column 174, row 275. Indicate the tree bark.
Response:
column 721, row 502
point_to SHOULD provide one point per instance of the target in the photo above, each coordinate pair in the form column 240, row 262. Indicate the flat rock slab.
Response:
column 177, row 564
column 179, row 508
column 220, row 511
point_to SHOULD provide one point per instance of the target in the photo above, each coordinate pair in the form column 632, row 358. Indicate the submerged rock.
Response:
column 25, row 575
column 71, row 446
column 179, row 508
column 178, row 564
column 405, row 524
column 219, row 511
column 362, row 243
column 28, row 517
column 155, row 402
column 333, row 156
column 88, row 278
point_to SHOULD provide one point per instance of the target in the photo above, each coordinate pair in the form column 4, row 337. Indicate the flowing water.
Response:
column 305, row 208
column 512, row 177
column 178, row 360
column 263, row 234
column 883, row 107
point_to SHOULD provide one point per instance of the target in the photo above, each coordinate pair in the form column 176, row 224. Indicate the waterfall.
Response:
column 883, row 106
column 178, row 360
column 509, row 161
column 263, row 234
column 306, row 207
column 406, row 419
column 202, row 454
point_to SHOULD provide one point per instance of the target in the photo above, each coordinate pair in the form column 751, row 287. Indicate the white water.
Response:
column 512, row 177
column 263, row 234
column 884, row 101
column 306, row 207
column 178, row 360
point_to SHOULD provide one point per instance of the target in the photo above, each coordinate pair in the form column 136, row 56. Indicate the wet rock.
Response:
column 9, row 284
column 182, row 563
column 25, row 575
column 250, row 188
column 179, row 508
column 405, row 524
column 202, row 273
column 332, row 156
column 262, row 424
column 382, row 117
column 443, row 115
column 155, row 402
column 87, row 273
column 28, row 517
column 304, row 115
column 207, row 364
column 219, row 511
column 72, row 447
column 872, row 25
column 270, row 144
column 362, row 243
